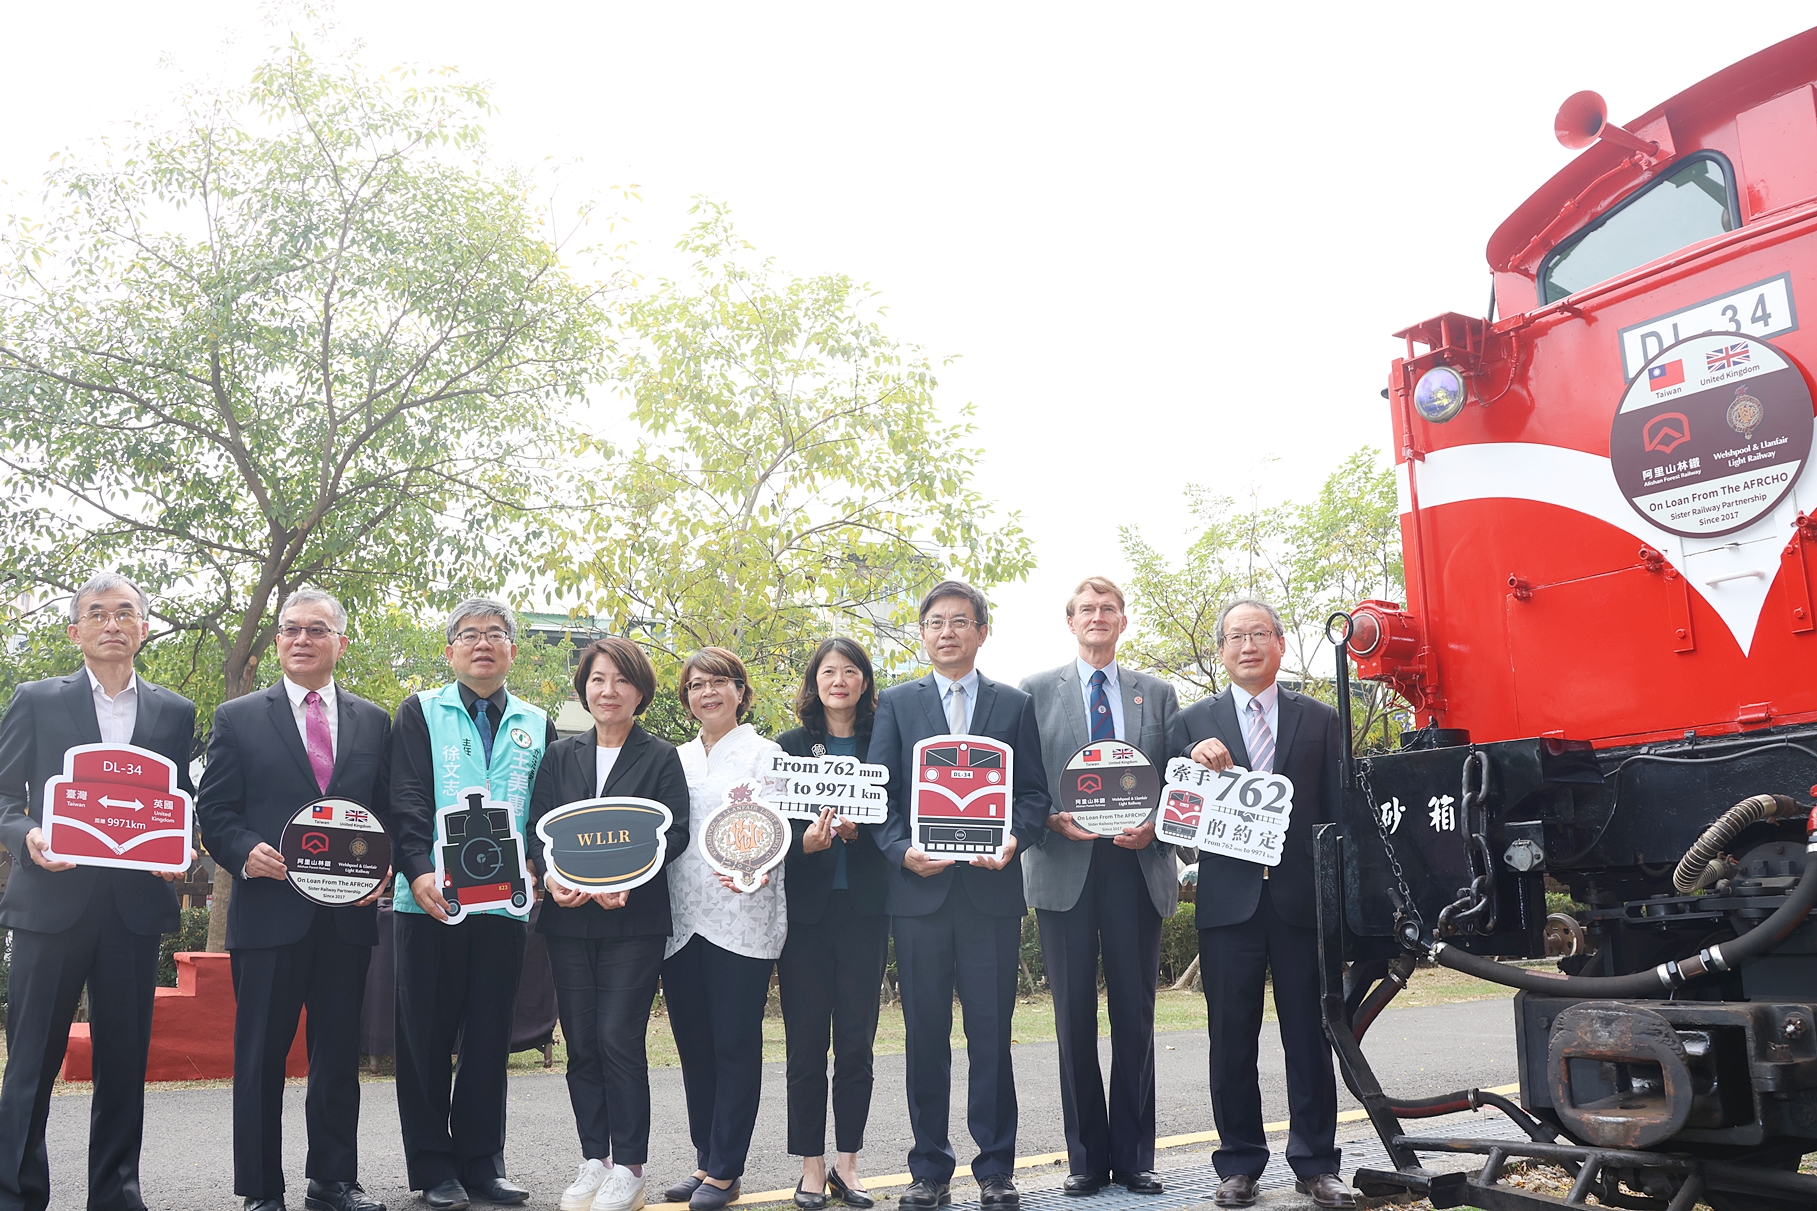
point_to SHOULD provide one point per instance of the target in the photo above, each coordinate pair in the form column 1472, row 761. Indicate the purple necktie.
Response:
column 321, row 748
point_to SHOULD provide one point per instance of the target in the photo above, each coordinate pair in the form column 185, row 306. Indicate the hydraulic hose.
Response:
column 1694, row 868
column 1667, row 976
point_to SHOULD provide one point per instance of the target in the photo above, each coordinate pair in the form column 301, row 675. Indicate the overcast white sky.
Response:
column 1168, row 242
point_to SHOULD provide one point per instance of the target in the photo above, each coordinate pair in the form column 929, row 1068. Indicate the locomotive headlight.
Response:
column 1440, row 394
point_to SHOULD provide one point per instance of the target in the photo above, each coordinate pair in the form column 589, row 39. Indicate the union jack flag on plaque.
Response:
column 1728, row 355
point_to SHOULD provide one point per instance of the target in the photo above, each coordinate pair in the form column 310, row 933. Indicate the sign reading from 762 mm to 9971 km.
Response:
column 1240, row 814
column 802, row 787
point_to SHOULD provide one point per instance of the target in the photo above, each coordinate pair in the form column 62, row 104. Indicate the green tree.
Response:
column 305, row 335
column 1307, row 560
column 792, row 477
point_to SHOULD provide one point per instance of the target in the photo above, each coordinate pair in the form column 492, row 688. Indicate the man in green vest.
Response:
column 458, row 963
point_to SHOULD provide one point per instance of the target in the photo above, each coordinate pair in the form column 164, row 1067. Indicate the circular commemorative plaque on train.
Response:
column 335, row 852
column 1711, row 434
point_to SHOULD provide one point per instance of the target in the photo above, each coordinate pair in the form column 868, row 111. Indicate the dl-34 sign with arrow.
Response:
column 118, row 805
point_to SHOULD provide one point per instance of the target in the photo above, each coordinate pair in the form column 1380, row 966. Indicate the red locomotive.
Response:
column 1610, row 646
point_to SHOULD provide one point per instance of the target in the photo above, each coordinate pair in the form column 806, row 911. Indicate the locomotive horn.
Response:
column 1584, row 118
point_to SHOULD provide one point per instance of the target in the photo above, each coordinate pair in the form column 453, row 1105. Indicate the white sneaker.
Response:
column 579, row 1196
column 623, row 1191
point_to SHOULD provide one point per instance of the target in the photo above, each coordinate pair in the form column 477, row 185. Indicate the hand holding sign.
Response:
column 1232, row 811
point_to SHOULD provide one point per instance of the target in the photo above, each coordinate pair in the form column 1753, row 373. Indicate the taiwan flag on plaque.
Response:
column 118, row 805
column 1666, row 374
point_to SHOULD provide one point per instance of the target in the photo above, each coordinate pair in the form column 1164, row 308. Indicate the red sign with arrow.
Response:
column 118, row 805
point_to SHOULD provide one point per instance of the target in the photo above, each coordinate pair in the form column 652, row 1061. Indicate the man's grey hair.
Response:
column 1274, row 615
column 482, row 607
column 322, row 597
column 102, row 583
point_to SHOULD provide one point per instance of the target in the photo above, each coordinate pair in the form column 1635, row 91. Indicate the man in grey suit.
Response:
column 1102, row 898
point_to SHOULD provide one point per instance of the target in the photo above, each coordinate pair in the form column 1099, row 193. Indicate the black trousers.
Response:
column 1233, row 960
column 48, row 971
column 715, row 1000
column 456, row 984
column 831, row 973
column 603, row 989
column 959, row 949
column 1115, row 921
column 272, row 985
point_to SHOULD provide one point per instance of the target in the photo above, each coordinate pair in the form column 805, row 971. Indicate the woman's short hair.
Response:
column 808, row 707
column 719, row 662
column 627, row 658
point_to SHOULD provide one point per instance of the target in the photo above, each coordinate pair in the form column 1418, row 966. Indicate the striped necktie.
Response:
column 1258, row 739
column 1103, row 725
column 955, row 711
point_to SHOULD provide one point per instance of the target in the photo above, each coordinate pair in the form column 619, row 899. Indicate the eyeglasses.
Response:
column 957, row 626
column 469, row 637
column 1237, row 639
column 719, row 684
column 99, row 618
column 317, row 631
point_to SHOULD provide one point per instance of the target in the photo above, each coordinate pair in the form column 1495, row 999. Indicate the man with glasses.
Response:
column 1257, row 920
column 958, row 926
column 269, row 755
column 82, row 925
column 458, row 982
column 1102, row 899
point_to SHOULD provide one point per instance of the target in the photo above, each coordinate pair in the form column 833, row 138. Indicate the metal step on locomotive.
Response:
column 1610, row 650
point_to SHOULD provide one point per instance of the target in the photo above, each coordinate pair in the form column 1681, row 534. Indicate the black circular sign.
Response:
column 1108, row 786
column 1711, row 434
column 335, row 852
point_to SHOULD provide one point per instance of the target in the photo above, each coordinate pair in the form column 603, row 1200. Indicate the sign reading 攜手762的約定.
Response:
column 1240, row 813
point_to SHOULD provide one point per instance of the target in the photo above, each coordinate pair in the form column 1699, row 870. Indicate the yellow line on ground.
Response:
column 1052, row 1158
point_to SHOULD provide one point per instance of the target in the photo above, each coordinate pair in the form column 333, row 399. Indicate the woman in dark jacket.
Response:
column 606, row 947
column 831, row 970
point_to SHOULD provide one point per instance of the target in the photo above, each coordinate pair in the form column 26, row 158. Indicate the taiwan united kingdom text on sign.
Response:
column 802, row 787
column 118, row 805
column 959, row 806
column 1244, row 815
column 1108, row 786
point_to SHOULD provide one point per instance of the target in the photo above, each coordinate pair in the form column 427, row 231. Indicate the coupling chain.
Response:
column 1409, row 928
column 1476, row 903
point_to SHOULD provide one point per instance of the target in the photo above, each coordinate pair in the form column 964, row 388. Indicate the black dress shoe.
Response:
column 1085, row 1183
column 498, row 1190
column 682, row 1190
column 998, row 1194
column 1144, row 1182
column 264, row 1204
column 858, row 1200
column 809, row 1200
column 1237, row 1190
column 708, row 1197
column 925, row 1195
column 1326, row 1190
column 447, row 1196
column 338, row 1196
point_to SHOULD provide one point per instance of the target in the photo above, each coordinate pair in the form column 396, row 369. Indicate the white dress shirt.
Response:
column 1270, row 699
column 970, row 683
column 756, row 923
column 300, row 710
column 603, row 760
column 116, row 716
column 1112, row 690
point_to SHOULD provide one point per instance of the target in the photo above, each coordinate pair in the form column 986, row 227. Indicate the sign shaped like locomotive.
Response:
column 1241, row 814
column 479, row 857
column 744, row 837
column 611, row 844
column 1711, row 435
column 1108, row 786
column 118, row 805
column 802, row 787
column 960, row 804
column 335, row 852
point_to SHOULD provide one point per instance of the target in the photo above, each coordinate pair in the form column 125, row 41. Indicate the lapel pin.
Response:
column 1138, row 700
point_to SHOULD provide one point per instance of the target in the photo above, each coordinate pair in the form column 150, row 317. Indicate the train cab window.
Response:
column 1695, row 202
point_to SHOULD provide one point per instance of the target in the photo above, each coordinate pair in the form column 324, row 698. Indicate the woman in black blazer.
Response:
column 606, row 948
column 831, row 969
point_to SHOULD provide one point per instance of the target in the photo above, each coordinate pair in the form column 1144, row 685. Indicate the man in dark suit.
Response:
column 74, row 925
column 1102, row 898
column 270, row 754
column 1254, row 920
column 958, row 926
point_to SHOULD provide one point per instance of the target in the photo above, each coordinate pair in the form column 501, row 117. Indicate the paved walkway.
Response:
column 187, row 1162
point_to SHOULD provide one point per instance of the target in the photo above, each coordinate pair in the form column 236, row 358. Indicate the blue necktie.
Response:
column 484, row 723
column 1103, row 727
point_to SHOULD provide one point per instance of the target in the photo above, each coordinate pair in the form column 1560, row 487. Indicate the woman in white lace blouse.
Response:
column 716, row 968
